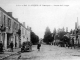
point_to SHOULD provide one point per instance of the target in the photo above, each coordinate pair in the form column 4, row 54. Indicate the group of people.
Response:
column 69, row 42
column 1, row 46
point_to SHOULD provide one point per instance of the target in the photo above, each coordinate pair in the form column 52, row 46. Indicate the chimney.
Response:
column 66, row 29
column 23, row 23
column 10, row 13
column 16, row 19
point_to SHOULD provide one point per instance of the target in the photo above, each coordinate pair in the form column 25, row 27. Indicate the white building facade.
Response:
column 25, row 34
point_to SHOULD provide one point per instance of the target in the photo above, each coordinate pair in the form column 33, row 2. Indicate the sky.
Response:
column 38, row 14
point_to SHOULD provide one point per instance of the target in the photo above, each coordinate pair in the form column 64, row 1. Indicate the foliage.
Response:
column 34, row 38
column 47, row 36
column 61, row 34
column 19, row 32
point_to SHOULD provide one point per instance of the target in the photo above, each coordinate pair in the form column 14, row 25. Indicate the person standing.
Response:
column 11, row 46
column 38, row 46
column 73, row 42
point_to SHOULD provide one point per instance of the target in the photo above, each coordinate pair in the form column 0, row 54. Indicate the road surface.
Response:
column 49, row 52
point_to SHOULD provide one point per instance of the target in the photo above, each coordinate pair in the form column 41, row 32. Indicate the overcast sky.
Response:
column 38, row 14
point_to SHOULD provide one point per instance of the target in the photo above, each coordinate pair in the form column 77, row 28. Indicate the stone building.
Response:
column 12, row 30
column 9, row 26
column 25, row 33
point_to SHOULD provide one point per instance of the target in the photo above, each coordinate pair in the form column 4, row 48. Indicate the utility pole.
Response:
column 77, row 22
column 77, row 33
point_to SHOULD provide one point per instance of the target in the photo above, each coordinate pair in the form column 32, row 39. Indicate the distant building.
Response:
column 76, row 25
column 66, row 29
column 63, row 29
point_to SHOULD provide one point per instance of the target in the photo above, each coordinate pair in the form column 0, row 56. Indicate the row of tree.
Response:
column 34, row 38
column 49, row 37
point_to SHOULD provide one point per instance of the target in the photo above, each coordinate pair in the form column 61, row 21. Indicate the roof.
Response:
column 8, row 14
column 12, row 17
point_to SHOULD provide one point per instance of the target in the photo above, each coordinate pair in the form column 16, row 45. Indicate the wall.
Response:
column 25, row 34
column 11, row 29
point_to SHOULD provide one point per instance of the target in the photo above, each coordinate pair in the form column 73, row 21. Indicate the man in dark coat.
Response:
column 73, row 42
column 11, row 46
column 1, row 47
column 38, row 46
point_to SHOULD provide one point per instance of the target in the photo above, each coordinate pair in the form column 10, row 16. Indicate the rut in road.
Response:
column 13, row 57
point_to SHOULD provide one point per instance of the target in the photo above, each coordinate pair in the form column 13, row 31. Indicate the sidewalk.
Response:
column 7, row 53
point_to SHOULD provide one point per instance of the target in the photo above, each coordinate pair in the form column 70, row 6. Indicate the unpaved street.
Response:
column 51, row 52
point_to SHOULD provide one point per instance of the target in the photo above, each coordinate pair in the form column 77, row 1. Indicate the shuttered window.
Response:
column 9, row 23
column 0, row 18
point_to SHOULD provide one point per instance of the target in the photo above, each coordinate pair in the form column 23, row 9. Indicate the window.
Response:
column 4, row 20
column 9, row 23
column 0, row 18
column 22, row 30
column 15, row 26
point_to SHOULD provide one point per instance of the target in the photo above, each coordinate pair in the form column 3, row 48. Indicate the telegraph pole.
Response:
column 77, row 33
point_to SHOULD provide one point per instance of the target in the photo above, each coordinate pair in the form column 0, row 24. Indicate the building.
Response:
column 25, row 33
column 12, row 30
column 75, row 25
column 9, row 26
column 66, row 29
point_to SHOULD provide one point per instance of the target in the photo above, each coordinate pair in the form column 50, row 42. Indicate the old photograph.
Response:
column 39, row 29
